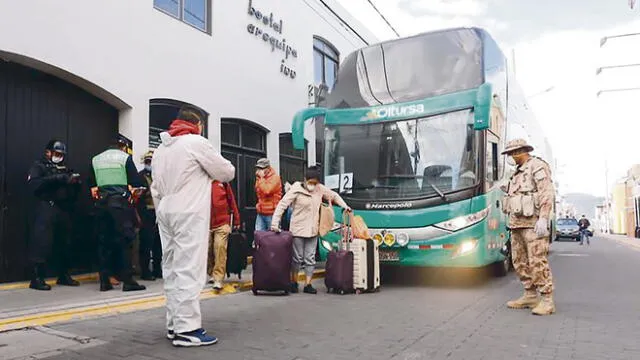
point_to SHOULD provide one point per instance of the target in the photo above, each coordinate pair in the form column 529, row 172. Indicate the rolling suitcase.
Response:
column 366, row 261
column 366, row 265
column 272, row 261
column 237, row 253
column 339, row 269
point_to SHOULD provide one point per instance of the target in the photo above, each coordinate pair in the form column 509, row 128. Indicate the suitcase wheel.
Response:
column 358, row 291
column 286, row 293
column 255, row 292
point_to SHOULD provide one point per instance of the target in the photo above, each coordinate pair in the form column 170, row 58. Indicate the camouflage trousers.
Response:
column 529, row 253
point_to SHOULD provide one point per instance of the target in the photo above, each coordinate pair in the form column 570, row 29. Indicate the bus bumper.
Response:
column 472, row 247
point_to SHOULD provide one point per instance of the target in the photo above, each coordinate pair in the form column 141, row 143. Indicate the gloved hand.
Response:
column 275, row 229
column 541, row 228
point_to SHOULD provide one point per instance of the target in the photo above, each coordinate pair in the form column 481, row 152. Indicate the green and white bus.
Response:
column 413, row 134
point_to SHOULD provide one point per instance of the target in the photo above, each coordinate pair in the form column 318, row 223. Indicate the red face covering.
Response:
column 180, row 127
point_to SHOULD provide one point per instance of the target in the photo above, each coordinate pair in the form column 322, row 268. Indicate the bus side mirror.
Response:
column 482, row 107
column 297, row 127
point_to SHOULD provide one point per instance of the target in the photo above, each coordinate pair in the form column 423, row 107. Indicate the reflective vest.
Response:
column 110, row 168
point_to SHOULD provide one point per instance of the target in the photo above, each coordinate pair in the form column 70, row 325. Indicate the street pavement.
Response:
column 425, row 315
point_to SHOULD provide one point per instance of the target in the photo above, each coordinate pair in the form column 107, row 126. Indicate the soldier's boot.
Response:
column 527, row 301
column 37, row 279
column 545, row 307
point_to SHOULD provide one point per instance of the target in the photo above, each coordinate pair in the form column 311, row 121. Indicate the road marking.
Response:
column 119, row 307
column 571, row 254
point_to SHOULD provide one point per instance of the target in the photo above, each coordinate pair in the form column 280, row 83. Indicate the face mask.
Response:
column 311, row 187
column 147, row 167
column 519, row 158
column 56, row 159
column 510, row 161
column 260, row 173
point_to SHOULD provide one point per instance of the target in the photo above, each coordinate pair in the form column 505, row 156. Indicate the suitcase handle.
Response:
column 347, row 231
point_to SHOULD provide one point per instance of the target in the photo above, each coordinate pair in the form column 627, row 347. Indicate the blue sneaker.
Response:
column 194, row 338
column 172, row 334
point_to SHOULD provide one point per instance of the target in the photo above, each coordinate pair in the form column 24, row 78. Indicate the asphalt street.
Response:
column 435, row 314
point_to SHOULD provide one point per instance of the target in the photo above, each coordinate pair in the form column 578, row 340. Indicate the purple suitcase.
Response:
column 272, row 261
column 339, row 272
column 339, row 267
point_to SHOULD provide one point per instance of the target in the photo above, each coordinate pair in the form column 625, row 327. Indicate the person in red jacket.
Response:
column 223, row 209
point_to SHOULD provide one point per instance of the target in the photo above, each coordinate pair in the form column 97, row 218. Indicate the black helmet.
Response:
column 57, row 146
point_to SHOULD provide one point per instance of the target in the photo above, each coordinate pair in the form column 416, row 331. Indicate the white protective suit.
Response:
column 183, row 168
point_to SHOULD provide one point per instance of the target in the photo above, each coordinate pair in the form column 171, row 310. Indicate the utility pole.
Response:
column 606, row 196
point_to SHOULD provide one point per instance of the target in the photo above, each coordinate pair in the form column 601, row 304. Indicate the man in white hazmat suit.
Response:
column 183, row 167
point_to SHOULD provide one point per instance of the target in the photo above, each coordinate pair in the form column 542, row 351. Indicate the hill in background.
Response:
column 584, row 203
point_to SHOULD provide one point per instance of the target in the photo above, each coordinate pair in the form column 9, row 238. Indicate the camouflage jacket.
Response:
column 533, row 181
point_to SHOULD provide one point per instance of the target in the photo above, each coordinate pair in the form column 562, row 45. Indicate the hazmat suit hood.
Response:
column 167, row 139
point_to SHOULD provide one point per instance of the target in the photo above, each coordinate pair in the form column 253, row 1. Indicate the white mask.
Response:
column 56, row 159
column 510, row 161
column 147, row 167
column 260, row 173
column 311, row 188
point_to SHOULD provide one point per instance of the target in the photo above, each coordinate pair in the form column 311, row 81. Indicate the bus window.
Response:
column 409, row 69
column 492, row 164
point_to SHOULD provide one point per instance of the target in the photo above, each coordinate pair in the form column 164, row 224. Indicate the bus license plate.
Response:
column 386, row 255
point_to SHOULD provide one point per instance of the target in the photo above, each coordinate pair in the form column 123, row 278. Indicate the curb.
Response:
column 83, row 278
column 119, row 306
column 624, row 240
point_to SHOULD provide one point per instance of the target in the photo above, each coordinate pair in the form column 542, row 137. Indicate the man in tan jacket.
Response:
column 529, row 204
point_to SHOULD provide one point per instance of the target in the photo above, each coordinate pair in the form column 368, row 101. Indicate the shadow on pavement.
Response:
column 436, row 277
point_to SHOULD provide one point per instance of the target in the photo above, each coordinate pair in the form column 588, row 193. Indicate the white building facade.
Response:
column 84, row 70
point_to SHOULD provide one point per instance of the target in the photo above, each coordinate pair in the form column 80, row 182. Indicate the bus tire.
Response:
column 501, row 268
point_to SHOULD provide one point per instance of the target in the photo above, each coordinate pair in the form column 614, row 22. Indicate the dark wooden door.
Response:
column 37, row 108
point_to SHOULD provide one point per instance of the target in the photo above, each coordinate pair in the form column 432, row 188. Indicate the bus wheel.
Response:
column 502, row 268
column 499, row 269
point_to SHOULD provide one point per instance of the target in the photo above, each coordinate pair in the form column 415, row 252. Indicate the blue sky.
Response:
column 557, row 44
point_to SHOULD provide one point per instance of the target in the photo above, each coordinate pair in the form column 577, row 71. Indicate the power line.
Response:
column 343, row 21
column 383, row 17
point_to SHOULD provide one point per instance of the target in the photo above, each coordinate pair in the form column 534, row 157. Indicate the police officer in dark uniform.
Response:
column 113, row 178
column 150, row 244
column 56, row 187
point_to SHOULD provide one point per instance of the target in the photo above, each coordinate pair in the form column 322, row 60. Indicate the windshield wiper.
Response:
column 438, row 191
column 369, row 187
column 401, row 176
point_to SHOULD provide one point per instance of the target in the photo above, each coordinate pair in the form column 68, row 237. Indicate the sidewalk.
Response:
column 23, row 307
column 623, row 239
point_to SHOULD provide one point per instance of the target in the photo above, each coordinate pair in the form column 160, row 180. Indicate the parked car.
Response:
column 567, row 228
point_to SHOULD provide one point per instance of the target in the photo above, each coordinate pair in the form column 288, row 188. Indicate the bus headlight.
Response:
column 378, row 238
column 402, row 239
column 462, row 222
column 465, row 248
column 389, row 239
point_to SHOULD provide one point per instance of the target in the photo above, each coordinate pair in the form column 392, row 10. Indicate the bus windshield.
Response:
column 407, row 159
column 409, row 69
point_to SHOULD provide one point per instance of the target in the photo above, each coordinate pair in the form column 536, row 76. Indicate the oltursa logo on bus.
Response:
column 389, row 206
column 394, row 111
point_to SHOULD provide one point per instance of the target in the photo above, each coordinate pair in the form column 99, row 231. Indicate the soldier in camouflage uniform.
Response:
column 529, row 203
